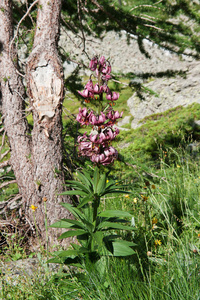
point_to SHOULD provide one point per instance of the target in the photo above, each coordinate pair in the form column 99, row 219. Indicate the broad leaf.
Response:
column 74, row 192
column 122, row 249
column 71, row 233
column 85, row 200
column 86, row 179
column 75, row 211
column 55, row 260
column 68, row 223
column 96, row 179
column 101, row 184
column 110, row 225
column 76, row 184
column 61, row 224
column 127, row 243
column 65, row 253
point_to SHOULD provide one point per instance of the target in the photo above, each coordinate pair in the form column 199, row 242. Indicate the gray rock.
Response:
column 13, row 272
column 168, row 92
column 69, row 67
column 197, row 122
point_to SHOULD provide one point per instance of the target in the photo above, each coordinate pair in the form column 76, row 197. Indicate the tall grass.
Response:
column 170, row 269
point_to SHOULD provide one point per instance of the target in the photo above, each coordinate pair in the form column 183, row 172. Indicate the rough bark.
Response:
column 12, row 90
column 37, row 158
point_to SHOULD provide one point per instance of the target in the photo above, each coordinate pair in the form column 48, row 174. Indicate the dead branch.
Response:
column 4, row 154
column 3, row 141
column 18, row 26
column 123, row 83
column 10, row 203
column 5, row 164
column 29, row 14
column 21, row 96
column 79, row 16
column 147, row 25
column 146, row 5
column 7, row 183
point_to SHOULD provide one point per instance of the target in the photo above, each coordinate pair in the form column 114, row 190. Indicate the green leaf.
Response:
column 75, row 211
column 114, row 213
column 96, row 179
column 122, row 249
column 111, row 225
column 127, row 243
column 65, row 253
column 101, row 184
column 74, row 192
column 55, row 260
column 85, row 200
column 61, row 224
column 68, row 223
column 71, row 233
column 60, row 256
column 84, row 222
column 78, row 185
column 98, row 237
column 86, row 179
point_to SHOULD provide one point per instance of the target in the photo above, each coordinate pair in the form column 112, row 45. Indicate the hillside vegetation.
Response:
column 159, row 162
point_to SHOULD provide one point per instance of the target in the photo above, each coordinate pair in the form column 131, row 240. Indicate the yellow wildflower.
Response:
column 107, row 181
column 145, row 198
column 178, row 166
column 33, row 207
column 127, row 196
column 198, row 235
column 158, row 243
column 135, row 200
column 154, row 221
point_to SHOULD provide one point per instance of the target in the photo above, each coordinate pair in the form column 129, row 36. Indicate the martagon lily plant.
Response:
column 95, row 230
column 97, row 146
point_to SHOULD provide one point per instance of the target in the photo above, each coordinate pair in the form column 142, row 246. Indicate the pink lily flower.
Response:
column 93, row 64
column 97, row 89
column 112, row 96
column 89, row 86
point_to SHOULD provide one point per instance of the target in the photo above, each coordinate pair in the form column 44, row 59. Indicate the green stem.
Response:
column 37, row 233
column 100, row 106
column 46, row 228
column 95, row 208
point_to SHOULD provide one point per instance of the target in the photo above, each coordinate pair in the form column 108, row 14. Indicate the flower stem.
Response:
column 95, row 208
column 46, row 228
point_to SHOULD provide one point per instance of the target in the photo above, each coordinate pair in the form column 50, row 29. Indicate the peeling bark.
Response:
column 37, row 158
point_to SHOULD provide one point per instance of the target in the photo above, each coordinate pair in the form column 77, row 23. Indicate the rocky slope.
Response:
column 165, row 92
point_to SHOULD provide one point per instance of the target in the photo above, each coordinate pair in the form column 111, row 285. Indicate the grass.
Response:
column 169, row 269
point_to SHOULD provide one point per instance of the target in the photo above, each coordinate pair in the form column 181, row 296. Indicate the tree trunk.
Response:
column 37, row 158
